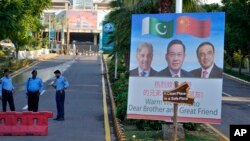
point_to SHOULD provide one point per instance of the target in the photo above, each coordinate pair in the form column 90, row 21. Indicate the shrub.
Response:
column 121, row 69
column 121, row 105
column 2, row 53
column 148, row 125
column 119, row 86
column 191, row 126
column 14, row 64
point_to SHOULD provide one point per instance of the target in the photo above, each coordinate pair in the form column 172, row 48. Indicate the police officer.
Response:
column 60, row 84
column 7, row 89
column 33, row 88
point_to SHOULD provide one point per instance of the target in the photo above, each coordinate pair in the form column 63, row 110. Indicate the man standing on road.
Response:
column 60, row 84
column 33, row 88
column 7, row 89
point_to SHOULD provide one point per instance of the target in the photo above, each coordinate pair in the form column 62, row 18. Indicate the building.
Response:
column 75, row 20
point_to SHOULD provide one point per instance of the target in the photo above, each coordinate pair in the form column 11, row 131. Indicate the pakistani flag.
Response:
column 155, row 26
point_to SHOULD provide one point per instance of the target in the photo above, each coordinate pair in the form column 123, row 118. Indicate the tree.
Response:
column 167, row 6
column 123, row 9
column 19, row 18
column 214, row 7
column 238, row 14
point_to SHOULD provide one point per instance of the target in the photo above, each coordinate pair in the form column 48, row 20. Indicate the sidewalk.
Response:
column 47, row 56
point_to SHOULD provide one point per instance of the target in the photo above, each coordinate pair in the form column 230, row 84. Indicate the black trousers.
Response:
column 33, row 100
column 7, row 96
column 60, row 98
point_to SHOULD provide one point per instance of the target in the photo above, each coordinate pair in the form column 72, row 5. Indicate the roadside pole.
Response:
column 178, row 9
column 116, row 61
column 176, row 84
column 49, row 31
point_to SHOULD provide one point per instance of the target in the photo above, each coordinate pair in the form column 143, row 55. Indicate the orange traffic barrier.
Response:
column 24, row 123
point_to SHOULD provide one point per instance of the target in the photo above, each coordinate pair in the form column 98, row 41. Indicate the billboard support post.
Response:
column 175, row 115
column 178, row 95
column 178, row 9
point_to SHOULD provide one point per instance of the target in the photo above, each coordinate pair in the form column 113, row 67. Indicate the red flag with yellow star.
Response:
column 189, row 25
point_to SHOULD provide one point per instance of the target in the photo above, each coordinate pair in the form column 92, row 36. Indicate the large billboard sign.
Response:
column 185, row 47
column 82, row 19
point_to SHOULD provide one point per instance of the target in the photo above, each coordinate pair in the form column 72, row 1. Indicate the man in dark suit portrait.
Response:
column 205, row 54
column 144, row 57
column 175, row 56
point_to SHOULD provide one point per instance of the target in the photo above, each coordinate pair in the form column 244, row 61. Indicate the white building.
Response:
column 80, row 20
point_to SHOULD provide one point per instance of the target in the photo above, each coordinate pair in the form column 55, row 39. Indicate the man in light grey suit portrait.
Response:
column 205, row 54
column 175, row 57
column 144, row 57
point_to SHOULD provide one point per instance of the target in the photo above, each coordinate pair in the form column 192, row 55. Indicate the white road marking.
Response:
column 226, row 94
column 236, row 99
column 26, row 106
column 42, row 92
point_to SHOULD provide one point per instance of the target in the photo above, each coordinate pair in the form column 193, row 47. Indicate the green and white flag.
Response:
column 154, row 26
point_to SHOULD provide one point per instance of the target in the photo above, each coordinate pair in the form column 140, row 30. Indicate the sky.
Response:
column 212, row 1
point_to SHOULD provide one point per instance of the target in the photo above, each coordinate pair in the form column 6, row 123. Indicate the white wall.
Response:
column 34, row 54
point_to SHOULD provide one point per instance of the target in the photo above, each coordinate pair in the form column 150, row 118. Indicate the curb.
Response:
column 238, row 79
column 119, row 131
column 15, row 73
column 223, row 137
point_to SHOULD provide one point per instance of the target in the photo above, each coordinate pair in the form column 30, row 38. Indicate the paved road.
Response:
column 83, row 105
column 235, row 111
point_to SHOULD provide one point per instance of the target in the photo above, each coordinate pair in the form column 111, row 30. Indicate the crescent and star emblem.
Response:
column 159, row 31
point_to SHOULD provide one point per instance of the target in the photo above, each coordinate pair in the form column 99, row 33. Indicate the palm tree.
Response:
column 166, row 6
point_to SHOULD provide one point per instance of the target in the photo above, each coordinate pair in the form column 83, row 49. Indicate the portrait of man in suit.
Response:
column 144, row 57
column 205, row 54
column 175, row 56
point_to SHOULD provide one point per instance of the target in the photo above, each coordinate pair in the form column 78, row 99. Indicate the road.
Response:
column 235, row 104
column 84, row 100
column 84, row 117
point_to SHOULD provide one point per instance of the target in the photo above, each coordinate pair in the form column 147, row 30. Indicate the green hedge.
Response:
column 14, row 64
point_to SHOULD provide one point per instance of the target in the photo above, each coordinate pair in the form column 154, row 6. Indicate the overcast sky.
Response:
column 212, row 1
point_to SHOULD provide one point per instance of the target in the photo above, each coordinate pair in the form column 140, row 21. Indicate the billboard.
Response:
column 82, row 19
column 184, row 47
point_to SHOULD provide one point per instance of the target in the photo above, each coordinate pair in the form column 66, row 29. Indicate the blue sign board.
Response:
column 107, row 31
column 52, row 33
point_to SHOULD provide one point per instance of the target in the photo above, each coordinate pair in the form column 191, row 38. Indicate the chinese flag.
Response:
column 198, row 28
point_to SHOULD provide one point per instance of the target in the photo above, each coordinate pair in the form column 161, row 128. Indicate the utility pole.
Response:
column 67, row 48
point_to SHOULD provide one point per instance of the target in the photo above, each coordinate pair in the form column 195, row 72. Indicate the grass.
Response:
column 143, row 135
column 201, row 134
